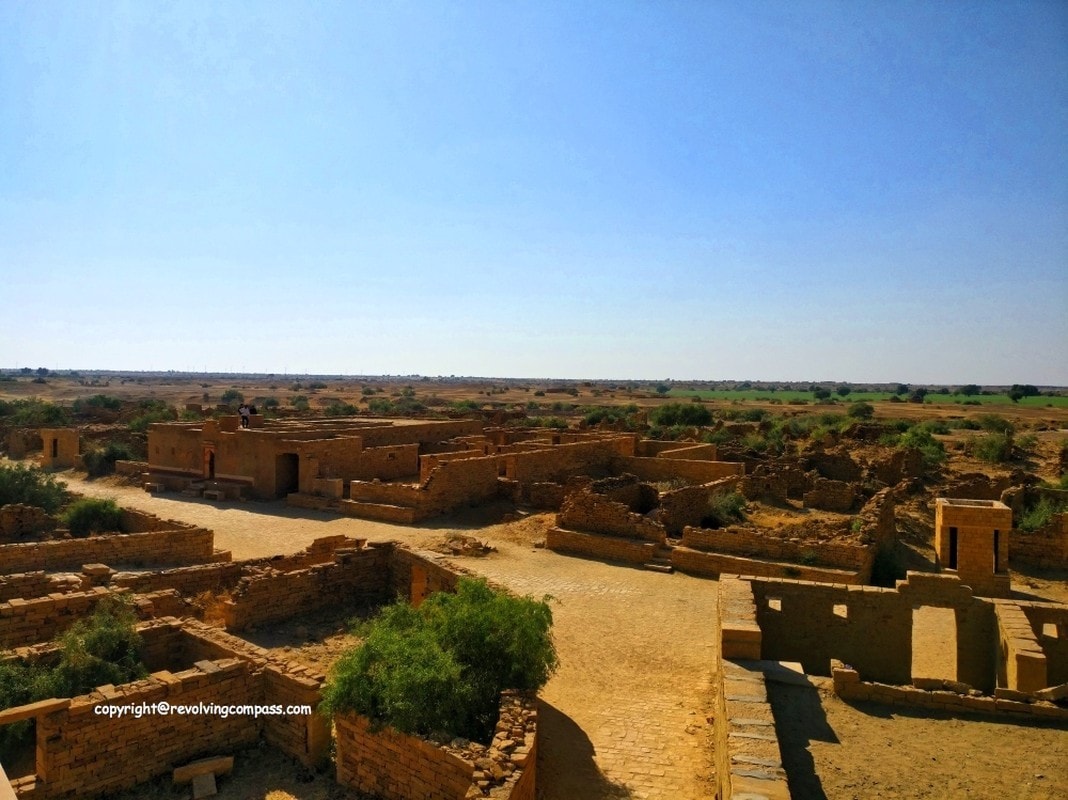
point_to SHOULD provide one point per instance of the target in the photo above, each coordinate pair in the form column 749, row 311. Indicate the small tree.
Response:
column 441, row 668
column 31, row 486
column 93, row 515
column 232, row 397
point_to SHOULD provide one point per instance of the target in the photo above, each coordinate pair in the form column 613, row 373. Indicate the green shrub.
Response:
column 994, row 423
column 934, row 452
column 680, row 414
column 339, row 409
column 723, row 509
column 861, row 411
column 34, row 413
column 31, row 486
column 92, row 515
column 995, row 448
column 441, row 668
column 232, row 397
column 102, row 461
column 104, row 401
column 152, row 411
column 102, row 648
column 1041, row 513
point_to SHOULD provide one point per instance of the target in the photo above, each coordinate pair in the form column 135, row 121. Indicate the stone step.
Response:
column 659, row 565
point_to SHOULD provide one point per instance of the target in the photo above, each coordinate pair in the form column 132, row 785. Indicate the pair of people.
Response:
column 246, row 411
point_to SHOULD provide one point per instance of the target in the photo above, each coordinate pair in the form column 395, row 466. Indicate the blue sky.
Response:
column 692, row 190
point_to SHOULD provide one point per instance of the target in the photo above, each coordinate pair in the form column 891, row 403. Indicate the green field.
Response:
column 786, row 395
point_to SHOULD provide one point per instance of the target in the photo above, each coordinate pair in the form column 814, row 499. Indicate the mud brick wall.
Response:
column 611, row 548
column 755, row 544
column 387, row 463
column 1021, row 662
column 1054, row 641
column 977, row 486
column 878, row 521
column 354, row 578
column 451, row 485
column 123, row 467
column 595, row 513
column 418, row 433
column 547, row 496
column 830, row 495
column 428, row 462
column 84, row 755
column 168, row 547
column 711, row 565
column 134, row 521
column 18, row 520
column 665, row 469
column 849, row 686
column 1046, row 547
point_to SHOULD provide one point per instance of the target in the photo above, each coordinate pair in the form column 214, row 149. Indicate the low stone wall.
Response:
column 665, row 469
column 756, row 544
column 689, row 505
column 395, row 766
column 611, row 548
column 158, row 547
column 1021, row 662
column 25, row 622
column 849, row 686
column 711, row 565
column 27, row 584
column 131, row 468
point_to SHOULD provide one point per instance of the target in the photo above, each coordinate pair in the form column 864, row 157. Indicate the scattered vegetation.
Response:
column 995, row 448
column 92, row 515
column 680, row 414
column 723, row 509
column 152, row 411
column 232, row 397
column 1041, row 513
column 31, row 486
column 102, row 648
column 34, row 413
column 101, row 461
column 440, row 669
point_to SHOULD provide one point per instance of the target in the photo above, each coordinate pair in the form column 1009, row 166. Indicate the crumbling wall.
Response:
column 977, row 486
column 590, row 512
column 831, row 495
column 596, row 545
column 775, row 483
column 899, row 465
column 354, row 577
column 689, row 505
column 756, row 544
column 1046, row 548
column 18, row 520
column 834, row 466
column 691, row 452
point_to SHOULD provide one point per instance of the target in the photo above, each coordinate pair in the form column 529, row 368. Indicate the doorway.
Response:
column 286, row 474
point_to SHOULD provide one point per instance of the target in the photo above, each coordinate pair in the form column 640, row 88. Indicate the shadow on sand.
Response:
column 800, row 719
column 566, row 769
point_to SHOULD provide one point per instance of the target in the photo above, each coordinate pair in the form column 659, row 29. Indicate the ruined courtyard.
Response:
column 700, row 656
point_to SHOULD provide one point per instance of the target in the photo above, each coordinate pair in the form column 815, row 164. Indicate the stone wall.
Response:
column 814, row 623
column 710, row 565
column 355, row 577
column 1046, row 548
column 24, row 622
column 831, row 495
column 556, row 463
column 775, row 483
column 752, row 543
column 745, row 744
column 396, row 766
column 18, row 520
column 1049, row 623
column 591, row 512
column 611, row 548
column 654, row 470
column 849, row 686
column 689, row 505
column 164, row 548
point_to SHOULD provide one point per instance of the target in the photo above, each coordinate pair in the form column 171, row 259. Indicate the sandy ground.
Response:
column 626, row 716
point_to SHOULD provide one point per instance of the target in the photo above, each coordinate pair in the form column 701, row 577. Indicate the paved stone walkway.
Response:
column 624, row 716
